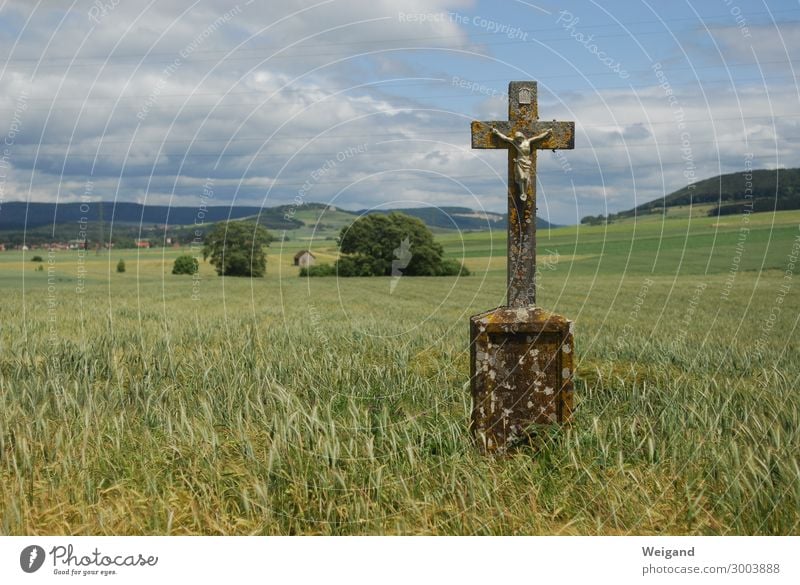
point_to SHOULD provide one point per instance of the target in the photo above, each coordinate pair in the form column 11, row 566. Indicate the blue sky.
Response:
column 367, row 103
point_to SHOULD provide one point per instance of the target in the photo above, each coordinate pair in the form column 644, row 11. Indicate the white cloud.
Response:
column 771, row 44
column 260, row 127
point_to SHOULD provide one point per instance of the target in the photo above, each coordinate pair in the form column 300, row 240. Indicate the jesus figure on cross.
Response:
column 522, row 162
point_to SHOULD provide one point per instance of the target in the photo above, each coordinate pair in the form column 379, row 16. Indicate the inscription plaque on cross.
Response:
column 521, row 355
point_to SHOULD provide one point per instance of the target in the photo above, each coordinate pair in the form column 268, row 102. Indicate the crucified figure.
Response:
column 522, row 162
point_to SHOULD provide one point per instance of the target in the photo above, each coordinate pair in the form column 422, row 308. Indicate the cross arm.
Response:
column 563, row 134
column 482, row 134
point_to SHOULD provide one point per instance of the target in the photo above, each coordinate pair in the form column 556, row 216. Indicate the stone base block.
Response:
column 521, row 368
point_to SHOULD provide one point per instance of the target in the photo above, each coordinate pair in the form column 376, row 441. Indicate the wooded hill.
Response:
column 19, row 215
column 764, row 190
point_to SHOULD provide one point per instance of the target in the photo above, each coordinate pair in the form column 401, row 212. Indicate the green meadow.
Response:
column 147, row 403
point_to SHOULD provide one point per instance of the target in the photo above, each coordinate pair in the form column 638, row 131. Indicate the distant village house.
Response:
column 304, row 259
column 78, row 245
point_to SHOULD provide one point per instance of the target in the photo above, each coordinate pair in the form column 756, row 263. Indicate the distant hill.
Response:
column 461, row 218
column 37, row 224
column 764, row 189
column 39, row 218
column 13, row 214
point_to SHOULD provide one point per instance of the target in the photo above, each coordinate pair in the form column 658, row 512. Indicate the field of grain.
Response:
column 147, row 403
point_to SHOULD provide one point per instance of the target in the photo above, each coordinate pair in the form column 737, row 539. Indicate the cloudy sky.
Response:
column 365, row 103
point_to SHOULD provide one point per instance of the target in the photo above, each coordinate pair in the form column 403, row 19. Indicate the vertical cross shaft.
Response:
column 522, row 135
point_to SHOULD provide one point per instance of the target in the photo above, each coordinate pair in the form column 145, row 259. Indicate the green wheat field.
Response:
column 147, row 403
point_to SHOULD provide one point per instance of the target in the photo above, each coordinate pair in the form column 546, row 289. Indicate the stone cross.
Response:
column 521, row 355
column 521, row 135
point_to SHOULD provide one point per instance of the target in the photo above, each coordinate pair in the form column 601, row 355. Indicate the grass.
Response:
column 292, row 406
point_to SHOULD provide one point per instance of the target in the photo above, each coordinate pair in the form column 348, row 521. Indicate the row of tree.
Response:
column 373, row 245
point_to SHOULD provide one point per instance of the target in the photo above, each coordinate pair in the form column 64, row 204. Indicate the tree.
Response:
column 390, row 245
column 185, row 264
column 121, row 266
column 236, row 248
column 592, row 220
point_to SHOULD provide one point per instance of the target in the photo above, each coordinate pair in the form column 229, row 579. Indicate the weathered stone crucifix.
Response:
column 521, row 362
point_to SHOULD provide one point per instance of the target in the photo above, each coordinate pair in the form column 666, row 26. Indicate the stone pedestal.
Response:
column 521, row 374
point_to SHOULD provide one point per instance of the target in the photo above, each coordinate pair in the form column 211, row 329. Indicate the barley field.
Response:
column 147, row 403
